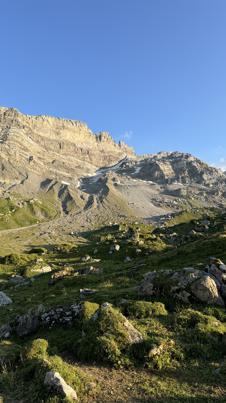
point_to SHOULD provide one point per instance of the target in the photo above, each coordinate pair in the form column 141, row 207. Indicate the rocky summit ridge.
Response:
column 94, row 177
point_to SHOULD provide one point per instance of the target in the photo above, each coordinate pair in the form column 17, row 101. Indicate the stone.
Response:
column 86, row 292
column 5, row 331
column 205, row 289
column 28, row 323
column 133, row 335
column 54, row 381
column 4, row 299
column 215, row 271
column 147, row 287
column 115, row 321
column 156, row 350
column 15, row 280
column 114, row 248
column 43, row 269
column 86, row 258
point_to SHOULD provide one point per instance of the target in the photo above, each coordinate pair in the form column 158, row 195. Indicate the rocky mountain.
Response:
column 91, row 177
column 34, row 148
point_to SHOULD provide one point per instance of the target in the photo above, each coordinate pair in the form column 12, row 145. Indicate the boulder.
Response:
column 15, row 280
column 56, row 383
column 205, row 290
column 4, row 299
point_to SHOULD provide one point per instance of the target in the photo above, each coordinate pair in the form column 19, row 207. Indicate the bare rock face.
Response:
column 55, row 382
column 43, row 146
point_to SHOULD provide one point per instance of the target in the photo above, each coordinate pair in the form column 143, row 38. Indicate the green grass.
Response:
column 191, row 339
column 16, row 212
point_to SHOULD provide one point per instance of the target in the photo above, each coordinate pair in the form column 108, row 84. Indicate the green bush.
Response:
column 145, row 309
column 201, row 334
column 37, row 349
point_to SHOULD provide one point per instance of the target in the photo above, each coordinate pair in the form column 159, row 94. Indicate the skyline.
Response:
column 151, row 73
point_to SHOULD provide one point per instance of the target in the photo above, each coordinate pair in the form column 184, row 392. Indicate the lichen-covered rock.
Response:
column 55, row 382
column 4, row 299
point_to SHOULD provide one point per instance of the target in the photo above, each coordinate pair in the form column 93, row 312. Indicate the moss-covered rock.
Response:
column 107, row 334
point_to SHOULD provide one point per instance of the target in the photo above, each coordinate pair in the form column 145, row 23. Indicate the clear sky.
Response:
column 151, row 72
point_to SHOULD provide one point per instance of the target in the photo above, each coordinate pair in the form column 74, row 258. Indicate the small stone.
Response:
column 86, row 258
column 4, row 299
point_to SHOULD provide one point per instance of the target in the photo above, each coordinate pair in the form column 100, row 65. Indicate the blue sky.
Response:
column 151, row 72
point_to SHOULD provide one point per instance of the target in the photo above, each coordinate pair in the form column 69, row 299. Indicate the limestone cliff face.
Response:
column 43, row 146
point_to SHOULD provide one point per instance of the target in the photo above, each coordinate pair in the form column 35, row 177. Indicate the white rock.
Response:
column 54, row 381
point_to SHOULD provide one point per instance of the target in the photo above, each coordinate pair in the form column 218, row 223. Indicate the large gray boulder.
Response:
column 57, row 384
column 4, row 299
column 28, row 323
column 205, row 290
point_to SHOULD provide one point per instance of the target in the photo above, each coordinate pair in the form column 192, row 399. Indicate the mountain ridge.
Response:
column 93, row 179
